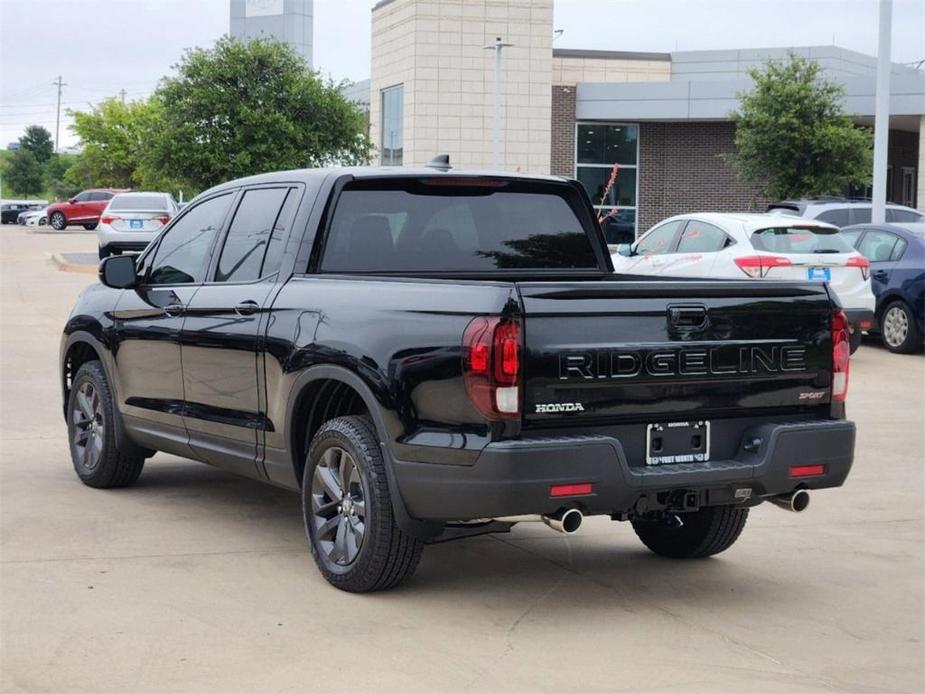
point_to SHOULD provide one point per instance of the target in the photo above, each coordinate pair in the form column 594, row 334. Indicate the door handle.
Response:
column 879, row 274
column 174, row 309
column 246, row 308
column 687, row 316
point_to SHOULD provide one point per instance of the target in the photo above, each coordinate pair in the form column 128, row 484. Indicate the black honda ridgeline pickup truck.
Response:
column 426, row 354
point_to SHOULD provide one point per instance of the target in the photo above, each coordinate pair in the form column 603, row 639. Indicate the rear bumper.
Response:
column 514, row 477
column 861, row 319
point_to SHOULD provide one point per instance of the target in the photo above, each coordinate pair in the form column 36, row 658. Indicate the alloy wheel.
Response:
column 895, row 326
column 338, row 506
column 89, row 427
column 58, row 222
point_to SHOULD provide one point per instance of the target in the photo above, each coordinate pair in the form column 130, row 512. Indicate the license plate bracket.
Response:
column 136, row 224
column 672, row 443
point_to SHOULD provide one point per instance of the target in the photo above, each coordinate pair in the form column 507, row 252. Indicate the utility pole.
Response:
column 58, row 83
column 496, row 126
column 882, row 113
column 122, row 95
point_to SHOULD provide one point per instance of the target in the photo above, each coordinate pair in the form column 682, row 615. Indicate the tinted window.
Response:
column 483, row 225
column 601, row 143
column 894, row 215
column 249, row 235
column 877, row 246
column 99, row 195
column 659, row 240
column 860, row 215
column 699, row 237
column 274, row 254
column 622, row 193
column 181, row 253
column 619, row 226
column 838, row 217
column 852, row 236
column 143, row 203
column 801, row 239
column 82, row 197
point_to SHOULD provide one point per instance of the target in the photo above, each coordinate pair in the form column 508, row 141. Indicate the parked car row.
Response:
column 798, row 244
column 10, row 212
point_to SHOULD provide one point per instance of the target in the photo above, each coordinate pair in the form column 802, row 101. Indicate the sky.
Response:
column 100, row 47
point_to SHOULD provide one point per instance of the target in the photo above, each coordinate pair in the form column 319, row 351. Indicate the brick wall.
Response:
column 562, row 159
column 681, row 171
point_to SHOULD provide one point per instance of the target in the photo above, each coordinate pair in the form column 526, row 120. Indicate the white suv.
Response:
column 759, row 246
column 843, row 212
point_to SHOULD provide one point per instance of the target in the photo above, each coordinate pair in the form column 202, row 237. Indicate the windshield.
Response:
column 145, row 203
column 458, row 225
column 801, row 239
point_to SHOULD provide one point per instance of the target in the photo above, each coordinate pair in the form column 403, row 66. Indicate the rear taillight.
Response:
column 841, row 356
column 109, row 218
column 162, row 220
column 757, row 266
column 861, row 262
column 491, row 365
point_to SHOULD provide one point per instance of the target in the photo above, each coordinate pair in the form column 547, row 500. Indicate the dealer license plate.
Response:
column 678, row 442
column 136, row 224
column 820, row 274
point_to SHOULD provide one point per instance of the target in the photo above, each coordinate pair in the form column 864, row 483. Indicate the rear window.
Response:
column 143, row 203
column 800, row 239
column 472, row 225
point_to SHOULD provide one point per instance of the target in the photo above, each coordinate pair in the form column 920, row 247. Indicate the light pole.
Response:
column 882, row 114
column 496, row 126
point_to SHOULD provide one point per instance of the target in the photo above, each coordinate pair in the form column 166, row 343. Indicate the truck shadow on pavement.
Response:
column 603, row 558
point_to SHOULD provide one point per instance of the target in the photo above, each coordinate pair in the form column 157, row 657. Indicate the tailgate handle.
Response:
column 687, row 316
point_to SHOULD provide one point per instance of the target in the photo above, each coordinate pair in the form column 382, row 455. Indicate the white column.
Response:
column 920, row 170
column 882, row 113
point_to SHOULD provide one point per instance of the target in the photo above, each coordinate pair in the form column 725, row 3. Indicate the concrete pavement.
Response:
column 197, row 581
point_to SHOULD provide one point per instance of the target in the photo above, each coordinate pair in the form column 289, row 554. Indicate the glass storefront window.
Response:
column 598, row 146
column 392, row 125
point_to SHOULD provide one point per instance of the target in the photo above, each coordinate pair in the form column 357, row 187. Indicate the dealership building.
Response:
column 663, row 117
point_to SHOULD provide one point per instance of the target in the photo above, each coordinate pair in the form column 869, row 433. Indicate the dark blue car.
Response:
column 897, row 268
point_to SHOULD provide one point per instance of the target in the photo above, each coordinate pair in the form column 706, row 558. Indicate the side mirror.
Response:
column 72, row 200
column 118, row 272
column 625, row 249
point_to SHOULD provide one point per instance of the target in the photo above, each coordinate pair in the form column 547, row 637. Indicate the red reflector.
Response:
column 807, row 470
column 570, row 489
column 865, row 324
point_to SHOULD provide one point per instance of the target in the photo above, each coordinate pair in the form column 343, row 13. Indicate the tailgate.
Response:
column 650, row 350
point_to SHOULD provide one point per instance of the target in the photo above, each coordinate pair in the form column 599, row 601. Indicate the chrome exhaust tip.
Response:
column 566, row 522
column 797, row 501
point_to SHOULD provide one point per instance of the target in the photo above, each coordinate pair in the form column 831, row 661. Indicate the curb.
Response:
column 49, row 230
column 67, row 266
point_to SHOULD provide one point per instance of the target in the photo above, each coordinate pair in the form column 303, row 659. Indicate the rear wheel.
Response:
column 900, row 332
column 347, row 510
column 703, row 533
column 91, row 425
column 89, row 227
column 58, row 221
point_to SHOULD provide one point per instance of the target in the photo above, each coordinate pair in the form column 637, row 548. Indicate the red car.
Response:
column 84, row 208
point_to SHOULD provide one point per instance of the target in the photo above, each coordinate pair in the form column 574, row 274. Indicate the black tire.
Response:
column 894, row 339
column 709, row 531
column 104, row 252
column 58, row 221
column 854, row 340
column 89, row 227
column 114, row 466
column 384, row 556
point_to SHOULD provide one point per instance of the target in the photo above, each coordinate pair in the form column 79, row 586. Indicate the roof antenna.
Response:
column 441, row 163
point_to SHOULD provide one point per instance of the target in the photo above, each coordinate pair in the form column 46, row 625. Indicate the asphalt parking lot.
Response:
column 198, row 581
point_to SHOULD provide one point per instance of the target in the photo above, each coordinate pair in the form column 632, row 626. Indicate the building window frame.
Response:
column 389, row 114
column 635, row 167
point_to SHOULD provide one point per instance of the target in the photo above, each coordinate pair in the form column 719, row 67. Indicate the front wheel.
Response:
column 703, row 533
column 91, row 426
column 347, row 510
column 58, row 221
column 899, row 330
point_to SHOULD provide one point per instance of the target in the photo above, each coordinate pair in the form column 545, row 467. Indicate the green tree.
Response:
column 243, row 108
column 54, row 176
column 38, row 140
column 114, row 136
column 793, row 137
column 23, row 174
